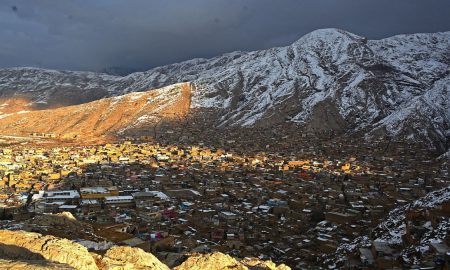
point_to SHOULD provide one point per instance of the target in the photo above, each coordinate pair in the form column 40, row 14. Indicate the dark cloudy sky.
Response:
column 140, row 34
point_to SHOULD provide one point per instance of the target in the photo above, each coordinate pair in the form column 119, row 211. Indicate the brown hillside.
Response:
column 105, row 117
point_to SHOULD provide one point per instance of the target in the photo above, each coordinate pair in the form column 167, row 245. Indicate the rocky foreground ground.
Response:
column 28, row 250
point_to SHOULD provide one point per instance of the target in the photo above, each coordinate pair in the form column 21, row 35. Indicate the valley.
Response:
column 329, row 153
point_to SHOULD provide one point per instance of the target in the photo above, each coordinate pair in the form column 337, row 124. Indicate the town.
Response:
column 174, row 199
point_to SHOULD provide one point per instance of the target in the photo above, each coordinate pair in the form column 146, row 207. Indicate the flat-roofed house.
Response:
column 119, row 201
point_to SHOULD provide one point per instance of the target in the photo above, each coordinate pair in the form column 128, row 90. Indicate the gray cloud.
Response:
column 139, row 34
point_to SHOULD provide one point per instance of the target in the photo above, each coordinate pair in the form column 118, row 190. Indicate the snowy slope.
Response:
column 393, row 228
column 328, row 80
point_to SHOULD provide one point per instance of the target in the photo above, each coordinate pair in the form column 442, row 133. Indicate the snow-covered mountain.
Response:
column 328, row 80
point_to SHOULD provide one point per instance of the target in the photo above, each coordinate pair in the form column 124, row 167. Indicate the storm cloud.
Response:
column 140, row 34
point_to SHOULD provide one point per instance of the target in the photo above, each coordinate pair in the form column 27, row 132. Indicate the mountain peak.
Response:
column 329, row 35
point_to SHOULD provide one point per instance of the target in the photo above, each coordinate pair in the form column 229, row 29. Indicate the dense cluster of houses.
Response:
column 171, row 199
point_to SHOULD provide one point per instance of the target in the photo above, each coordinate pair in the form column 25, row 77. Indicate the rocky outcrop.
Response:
column 33, row 265
column 220, row 261
column 20, row 245
column 63, row 225
column 64, row 219
column 26, row 250
column 121, row 258
column 214, row 261
column 256, row 264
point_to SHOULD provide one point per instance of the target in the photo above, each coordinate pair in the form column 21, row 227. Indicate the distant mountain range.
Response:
column 118, row 71
column 327, row 81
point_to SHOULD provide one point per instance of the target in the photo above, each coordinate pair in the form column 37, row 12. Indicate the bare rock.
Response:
column 214, row 261
column 61, row 219
column 33, row 246
column 124, row 258
column 63, row 225
column 33, row 265
column 256, row 264
column 29, row 250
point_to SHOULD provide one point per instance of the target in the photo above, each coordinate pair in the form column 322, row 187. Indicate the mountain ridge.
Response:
column 103, row 117
column 329, row 80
